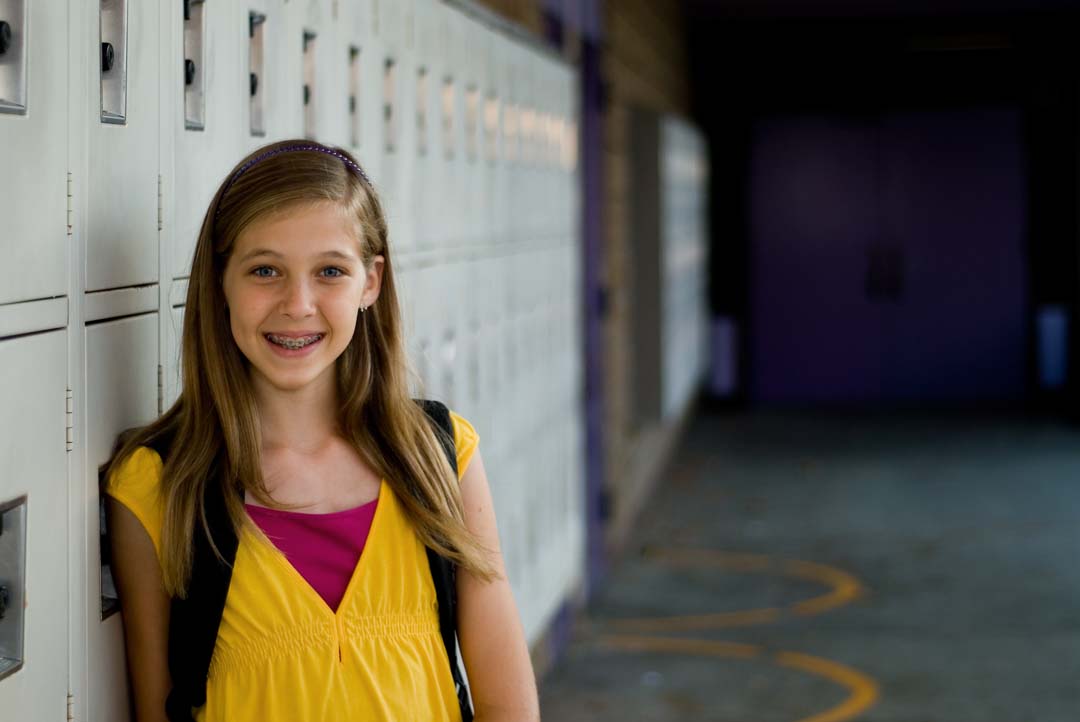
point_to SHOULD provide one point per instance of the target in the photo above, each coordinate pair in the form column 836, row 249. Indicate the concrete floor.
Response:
column 940, row 577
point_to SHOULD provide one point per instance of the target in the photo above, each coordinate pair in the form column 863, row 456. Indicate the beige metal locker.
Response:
column 121, row 392
column 33, row 543
column 34, row 114
column 124, row 137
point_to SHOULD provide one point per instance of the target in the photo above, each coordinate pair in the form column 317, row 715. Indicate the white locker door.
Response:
column 121, row 392
column 32, row 447
column 395, row 29
column 33, row 200
column 124, row 134
column 216, row 39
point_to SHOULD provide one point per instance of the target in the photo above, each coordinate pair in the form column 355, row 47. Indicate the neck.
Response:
column 302, row 420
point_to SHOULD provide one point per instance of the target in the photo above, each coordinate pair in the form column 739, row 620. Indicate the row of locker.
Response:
column 483, row 218
column 152, row 164
column 535, row 468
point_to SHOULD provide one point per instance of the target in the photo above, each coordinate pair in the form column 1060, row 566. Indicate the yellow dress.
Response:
column 283, row 654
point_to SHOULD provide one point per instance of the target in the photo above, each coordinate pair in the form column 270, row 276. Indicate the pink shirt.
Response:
column 323, row 548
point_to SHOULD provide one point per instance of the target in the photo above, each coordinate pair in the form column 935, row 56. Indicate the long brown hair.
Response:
column 214, row 426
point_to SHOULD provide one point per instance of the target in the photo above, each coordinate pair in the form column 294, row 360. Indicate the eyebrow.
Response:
column 267, row 252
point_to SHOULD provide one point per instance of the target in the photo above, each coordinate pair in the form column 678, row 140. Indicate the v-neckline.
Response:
column 261, row 538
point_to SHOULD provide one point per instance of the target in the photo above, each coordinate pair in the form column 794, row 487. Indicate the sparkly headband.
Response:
column 263, row 156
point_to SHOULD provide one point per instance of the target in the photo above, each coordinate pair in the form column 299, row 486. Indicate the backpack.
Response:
column 194, row 621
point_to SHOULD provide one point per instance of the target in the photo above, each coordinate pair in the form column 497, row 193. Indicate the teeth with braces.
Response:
column 293, row 343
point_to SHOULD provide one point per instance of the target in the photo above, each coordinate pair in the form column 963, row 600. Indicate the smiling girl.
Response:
column 330, row 488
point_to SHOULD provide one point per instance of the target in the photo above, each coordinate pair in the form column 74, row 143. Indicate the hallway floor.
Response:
column 806, row 568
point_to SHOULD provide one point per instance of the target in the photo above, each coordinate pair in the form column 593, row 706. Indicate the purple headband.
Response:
column 263, row 156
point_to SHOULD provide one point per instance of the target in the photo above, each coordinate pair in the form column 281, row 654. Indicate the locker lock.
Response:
column 5, row 37
column 108, row 57
column 254, row 83
column 189, row 71
column 4, row 599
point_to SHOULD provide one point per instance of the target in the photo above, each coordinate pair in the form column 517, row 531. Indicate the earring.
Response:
column 363, row 308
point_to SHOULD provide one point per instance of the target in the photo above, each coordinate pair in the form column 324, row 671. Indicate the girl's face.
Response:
column 294, row 285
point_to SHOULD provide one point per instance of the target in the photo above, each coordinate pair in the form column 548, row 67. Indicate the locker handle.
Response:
column 254, row 19
column 5, row 37
column 108, row 57
column 4, row 600
column 254, row 82
column 189, row 71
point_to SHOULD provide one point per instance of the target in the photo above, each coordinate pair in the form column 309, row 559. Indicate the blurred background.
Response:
column 762, row 309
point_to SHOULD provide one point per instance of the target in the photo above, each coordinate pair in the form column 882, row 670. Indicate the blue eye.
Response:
column 339, row 274
column 255, row 271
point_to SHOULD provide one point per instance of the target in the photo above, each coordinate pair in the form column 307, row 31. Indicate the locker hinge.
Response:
column 159, row 212
column 69, row 421
column 71, row 707
column 70, row 213
column 160, row 389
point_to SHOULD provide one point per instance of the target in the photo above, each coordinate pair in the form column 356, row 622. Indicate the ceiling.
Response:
column 753, row 9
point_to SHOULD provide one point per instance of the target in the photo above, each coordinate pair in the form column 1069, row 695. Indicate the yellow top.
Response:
column 283, row 654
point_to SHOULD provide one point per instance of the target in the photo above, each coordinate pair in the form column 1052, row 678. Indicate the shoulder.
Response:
column 466, row 441
column 136, row 483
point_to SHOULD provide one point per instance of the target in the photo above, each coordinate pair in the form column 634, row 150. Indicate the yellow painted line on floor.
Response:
column 844, row 588
column 863, row 689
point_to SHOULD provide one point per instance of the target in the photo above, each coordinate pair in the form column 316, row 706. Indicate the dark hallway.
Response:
column 872, row 516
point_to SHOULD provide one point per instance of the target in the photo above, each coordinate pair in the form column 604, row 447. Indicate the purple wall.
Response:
column 888, row 258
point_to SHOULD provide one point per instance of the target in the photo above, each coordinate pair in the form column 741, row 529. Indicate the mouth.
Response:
column 293, row 343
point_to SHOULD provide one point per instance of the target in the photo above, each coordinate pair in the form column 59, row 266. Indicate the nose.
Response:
column 298, row 300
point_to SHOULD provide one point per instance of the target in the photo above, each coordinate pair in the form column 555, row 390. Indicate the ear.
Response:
column 372, row 281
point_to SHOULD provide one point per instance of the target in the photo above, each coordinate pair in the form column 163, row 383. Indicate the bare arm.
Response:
column 489, row 629
column 145, row 608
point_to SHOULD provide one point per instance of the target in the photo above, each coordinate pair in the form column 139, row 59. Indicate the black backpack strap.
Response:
column 442, row 570
column 194, row 621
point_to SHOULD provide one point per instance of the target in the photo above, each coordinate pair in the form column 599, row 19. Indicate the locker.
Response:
column 453, row 167
column 370, row 98
column 33, row 114
column 472, row 199
column 32, row 418
column 121, row 392
column 426, row 86
column 424, row 329
column 395, row 31
column 124, row 135
column 234, row 117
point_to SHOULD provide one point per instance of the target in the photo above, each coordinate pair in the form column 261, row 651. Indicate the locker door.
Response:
column 122, row 222
column 425, row 86
column 218, row 44
column 33, row 118
column 121, row 392
column 395, row 29
column 32, row 445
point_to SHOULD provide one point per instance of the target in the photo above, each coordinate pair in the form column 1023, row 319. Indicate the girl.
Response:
column 295, row 416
